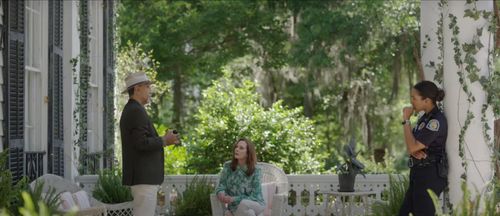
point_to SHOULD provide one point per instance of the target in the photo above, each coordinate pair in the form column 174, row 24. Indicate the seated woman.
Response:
column 239, row 182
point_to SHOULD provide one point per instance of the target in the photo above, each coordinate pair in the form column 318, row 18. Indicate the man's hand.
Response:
column 407, row 111
column 170, row 138
column 419, row 155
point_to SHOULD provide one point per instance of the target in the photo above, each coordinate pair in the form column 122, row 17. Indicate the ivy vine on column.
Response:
column 438, row 67
column 465, row 58
column 468, row 73
column 81, row 80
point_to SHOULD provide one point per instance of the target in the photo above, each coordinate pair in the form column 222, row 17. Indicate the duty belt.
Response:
column 430, row 159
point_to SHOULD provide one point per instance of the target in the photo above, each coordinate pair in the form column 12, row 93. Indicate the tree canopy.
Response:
column 346, row 65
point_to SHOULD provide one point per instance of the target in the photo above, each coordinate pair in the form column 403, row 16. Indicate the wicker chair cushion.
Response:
column 268, row 191
column 67, row 201
column 82, row 199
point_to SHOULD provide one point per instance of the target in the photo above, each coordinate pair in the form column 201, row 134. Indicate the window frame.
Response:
column 95, row 130
column 36, row 76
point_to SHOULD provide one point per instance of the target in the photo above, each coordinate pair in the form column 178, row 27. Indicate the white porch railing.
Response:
column 304, row 190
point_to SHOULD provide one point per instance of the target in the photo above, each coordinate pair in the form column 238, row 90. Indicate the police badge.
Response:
column 422, row 125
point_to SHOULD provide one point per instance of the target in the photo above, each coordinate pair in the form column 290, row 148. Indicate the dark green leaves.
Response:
column 230, row 111
column 109, row 188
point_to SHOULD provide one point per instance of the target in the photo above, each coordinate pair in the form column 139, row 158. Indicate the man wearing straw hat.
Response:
column 142, row 148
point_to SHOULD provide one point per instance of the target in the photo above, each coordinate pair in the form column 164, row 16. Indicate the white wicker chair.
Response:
column 270, row 173
column 61, row 185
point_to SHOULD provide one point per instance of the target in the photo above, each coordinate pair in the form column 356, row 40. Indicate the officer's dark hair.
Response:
column 428, row 89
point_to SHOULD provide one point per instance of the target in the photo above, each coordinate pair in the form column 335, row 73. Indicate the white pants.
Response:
column 249, row 208
column 144, row 199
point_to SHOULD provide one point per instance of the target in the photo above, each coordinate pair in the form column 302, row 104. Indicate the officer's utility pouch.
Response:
column 442, row 167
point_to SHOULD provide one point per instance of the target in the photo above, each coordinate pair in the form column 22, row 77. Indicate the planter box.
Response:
column 119, row 209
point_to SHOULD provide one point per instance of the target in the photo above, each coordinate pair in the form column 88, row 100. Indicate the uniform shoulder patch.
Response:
column 433, row 125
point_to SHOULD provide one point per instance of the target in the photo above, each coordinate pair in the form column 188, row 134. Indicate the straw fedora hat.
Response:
column 134, row 79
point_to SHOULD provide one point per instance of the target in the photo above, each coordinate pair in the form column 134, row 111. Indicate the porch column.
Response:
column 71, row 49
column 476, row 149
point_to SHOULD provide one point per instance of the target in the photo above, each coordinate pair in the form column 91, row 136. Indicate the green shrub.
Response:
column 109, row 188
column 228, row 111
column 10, row 193
column 175, row 157
column 468, row 206
column 196, row 198
column 50, row 199
column 32, row 208
column 385, row 167
column 393, row 197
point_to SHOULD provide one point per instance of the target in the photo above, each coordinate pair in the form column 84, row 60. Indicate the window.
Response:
column 33, row 76
column 95, row 100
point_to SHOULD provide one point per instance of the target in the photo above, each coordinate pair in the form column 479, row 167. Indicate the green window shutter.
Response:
column 14, row 94
column 56, row 111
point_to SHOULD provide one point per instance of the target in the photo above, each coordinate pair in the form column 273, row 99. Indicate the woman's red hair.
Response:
column 251, row 156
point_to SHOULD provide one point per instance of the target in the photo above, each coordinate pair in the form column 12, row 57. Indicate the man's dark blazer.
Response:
column 142, row 148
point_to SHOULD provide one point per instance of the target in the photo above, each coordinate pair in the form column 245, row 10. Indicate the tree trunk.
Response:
column 396, row 71
column 308, row 98
column 267, row 85
column 369, row 133
column 329, row 132
column 410, row 81
column 497, row 146
column 178, row 100
column 497, row 17
column 418, row 58
column 273, row 89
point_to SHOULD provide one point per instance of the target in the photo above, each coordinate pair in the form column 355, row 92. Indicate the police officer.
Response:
column 426, row 147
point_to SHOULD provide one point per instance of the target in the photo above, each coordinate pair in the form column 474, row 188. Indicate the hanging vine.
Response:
column 81, row 81
column 439, row 66
column 469, row 73
column 110, row 80
column 457, row 57
column 490, row 82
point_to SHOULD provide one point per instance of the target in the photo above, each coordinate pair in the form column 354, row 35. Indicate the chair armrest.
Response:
column 95, row 202
column 217, row 206
column 93, row 211
column 279, row 203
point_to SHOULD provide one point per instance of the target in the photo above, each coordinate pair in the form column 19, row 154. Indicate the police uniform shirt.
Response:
column 432, row 130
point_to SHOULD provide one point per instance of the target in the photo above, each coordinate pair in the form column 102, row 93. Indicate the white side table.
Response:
column 344, row 203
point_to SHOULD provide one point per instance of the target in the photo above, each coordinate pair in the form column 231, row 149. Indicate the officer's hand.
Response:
column 170, row 138
column 407, row 111
column 419, row 155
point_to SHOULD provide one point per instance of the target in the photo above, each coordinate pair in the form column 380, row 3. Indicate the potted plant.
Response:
column 348, row 170
column 195, row 200
column 392, row 197
column 116, row 197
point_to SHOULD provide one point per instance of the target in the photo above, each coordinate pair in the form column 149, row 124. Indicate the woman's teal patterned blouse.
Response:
column 240, row 186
